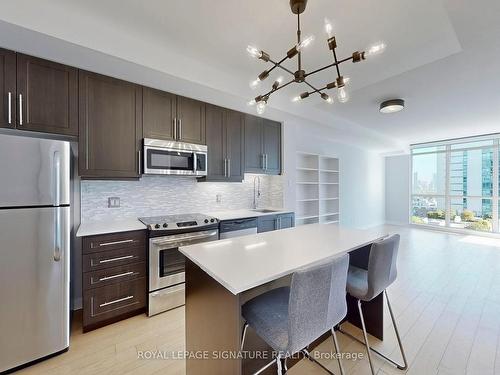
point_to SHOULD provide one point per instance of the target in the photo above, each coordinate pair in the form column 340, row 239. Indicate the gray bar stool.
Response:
column 365, row 285
column 291, row 318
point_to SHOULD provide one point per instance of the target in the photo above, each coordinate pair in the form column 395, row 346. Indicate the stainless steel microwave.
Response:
column 174, row 158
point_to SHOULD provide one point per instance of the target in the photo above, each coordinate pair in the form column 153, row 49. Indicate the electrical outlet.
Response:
column 218, row 198
column 113, row 202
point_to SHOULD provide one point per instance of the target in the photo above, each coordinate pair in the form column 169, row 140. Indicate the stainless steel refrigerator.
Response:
column 34, row 249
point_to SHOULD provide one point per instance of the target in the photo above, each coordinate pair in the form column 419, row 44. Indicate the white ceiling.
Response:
column 442, row 56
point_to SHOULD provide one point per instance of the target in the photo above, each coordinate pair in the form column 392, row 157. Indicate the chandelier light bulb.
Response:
column 251, row 102
column 296, row 99
column 254, row 84
column 328, row 28
column 279, row 80
column 327, row 98
column 342, row 95
column 254, row 52
column 305, row 42
column 375, row 50
column 261, row 107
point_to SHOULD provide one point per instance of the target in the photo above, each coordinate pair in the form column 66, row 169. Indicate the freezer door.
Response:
column 35, row 172
column 34, row 284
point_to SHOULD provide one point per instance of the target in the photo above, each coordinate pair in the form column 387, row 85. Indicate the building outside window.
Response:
column 455, row 184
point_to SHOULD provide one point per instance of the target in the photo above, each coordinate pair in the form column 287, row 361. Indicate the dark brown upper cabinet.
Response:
column 47, row 96
column 173, row 118
column 159, row 110
column 262, row 145
column 110, row 115
column 271, row 145
column 191, row 120
column 225, row 131
column 8, row 89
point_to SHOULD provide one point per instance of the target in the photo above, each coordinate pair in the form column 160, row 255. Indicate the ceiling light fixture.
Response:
column 300, row 75
column 391, row 106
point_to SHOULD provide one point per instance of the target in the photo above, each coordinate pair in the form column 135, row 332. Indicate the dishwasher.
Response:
column 237, row 227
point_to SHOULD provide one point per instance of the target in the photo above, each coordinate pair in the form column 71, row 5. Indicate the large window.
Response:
column 455, row 184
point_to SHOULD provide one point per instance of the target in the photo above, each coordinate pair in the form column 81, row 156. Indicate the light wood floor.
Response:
column 446, row 299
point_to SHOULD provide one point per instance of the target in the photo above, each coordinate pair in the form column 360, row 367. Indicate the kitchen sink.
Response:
column 264, row 210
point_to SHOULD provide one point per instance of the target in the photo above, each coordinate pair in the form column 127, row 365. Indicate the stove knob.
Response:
column 206, row 221
column 157, row 226
column 165, row 225
column 212, row 220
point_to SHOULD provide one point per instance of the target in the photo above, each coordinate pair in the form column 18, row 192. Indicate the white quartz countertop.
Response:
column 242, row 263
column 124, row 225
column 240, row 214
column 109, row 226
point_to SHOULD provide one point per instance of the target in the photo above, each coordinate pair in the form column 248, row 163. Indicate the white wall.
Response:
column 397, row 189
column 362, row 173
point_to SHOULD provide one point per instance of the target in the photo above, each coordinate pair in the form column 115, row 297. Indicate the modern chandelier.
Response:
column 300, row 75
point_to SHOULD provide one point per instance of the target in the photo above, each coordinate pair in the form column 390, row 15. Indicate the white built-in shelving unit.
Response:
column 317, row 189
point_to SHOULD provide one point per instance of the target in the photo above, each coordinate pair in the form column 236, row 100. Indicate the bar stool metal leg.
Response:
column 309, row 357
column 243, row 335
column 279, row 367
column 336, row 344
column 405, row 366
column 400, row 343
column 365, row 335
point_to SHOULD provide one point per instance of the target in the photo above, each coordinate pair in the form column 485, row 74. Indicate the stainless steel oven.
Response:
column 167, row 268
column 174, row 158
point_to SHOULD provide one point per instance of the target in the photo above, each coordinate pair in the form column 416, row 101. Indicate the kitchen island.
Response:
column 222, row 275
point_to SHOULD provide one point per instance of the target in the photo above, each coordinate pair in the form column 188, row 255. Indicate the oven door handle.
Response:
column 182, row 239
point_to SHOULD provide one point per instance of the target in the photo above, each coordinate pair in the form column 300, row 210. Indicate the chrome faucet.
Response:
column 256, row 192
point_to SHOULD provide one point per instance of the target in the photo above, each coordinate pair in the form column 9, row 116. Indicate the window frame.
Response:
column 448, row 197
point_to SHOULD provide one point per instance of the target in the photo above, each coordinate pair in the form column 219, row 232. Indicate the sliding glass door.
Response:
column 455, row 184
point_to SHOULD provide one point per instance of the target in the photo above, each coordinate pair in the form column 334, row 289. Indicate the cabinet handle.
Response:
column 180, row 128
column 262, row 161
column 20, row 109
column 266, row 161
column 139, row 168
column 115, row 243
column 9, row 100
column 228, row 167
column 116, row 301
column 116, row 259
column 175, row 127
column 225, row 167
column 116, row 276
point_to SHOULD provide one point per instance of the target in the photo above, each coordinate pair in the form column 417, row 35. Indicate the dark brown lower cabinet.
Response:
column 114, row 277
column 268, row 223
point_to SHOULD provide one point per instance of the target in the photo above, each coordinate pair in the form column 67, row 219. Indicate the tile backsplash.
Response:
column 164, row 195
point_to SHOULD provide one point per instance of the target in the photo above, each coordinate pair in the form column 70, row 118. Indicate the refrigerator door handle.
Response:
column 57, row 202
column 57, row 236
column 57, row 178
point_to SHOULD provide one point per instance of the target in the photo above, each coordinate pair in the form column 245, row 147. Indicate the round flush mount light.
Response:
column 391, row 106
